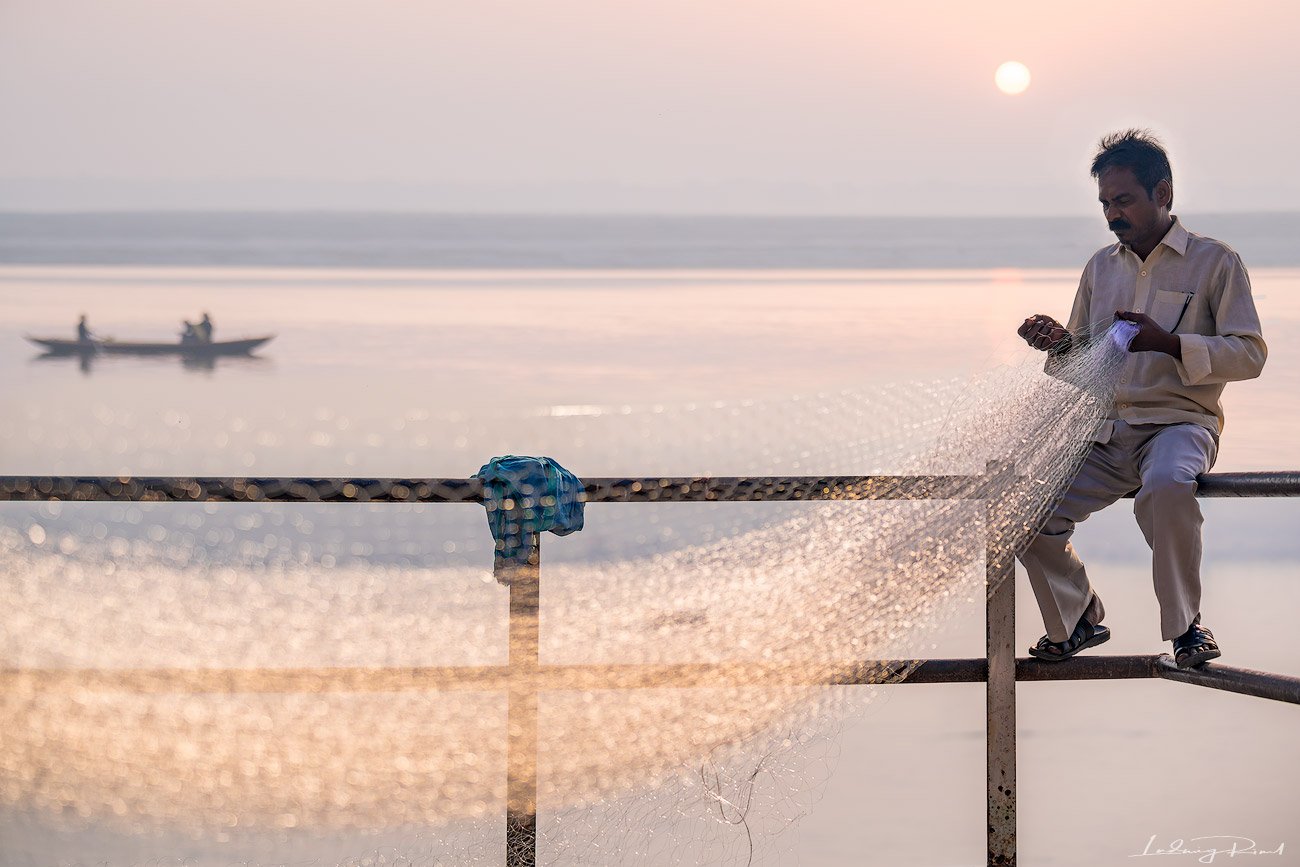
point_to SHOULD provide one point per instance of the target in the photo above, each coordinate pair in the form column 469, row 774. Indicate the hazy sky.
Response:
column 744, row 106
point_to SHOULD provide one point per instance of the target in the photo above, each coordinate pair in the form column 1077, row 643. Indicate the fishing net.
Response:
column 202, row 671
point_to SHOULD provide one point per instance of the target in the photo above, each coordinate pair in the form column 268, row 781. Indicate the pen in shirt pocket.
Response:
column 1181, row 313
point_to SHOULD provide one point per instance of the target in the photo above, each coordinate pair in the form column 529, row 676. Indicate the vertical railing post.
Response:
column 521, row 714
column 1000, row 695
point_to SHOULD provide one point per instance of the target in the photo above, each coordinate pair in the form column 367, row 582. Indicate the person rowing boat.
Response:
column 84, row 334
column 200, row 332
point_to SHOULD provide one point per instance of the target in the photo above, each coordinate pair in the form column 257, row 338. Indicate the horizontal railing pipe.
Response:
column 1260, row 684
column 1270, row 484
column 596, row 490
column 1087, row 668
column 619, row 676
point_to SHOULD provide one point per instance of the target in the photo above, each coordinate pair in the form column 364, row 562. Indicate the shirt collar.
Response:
column 1175, row 239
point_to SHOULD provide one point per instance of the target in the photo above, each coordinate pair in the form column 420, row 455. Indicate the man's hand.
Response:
column 1151, row 337
column 1044, row 332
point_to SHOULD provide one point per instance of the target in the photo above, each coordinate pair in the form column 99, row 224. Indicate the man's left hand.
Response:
column 1151, row 337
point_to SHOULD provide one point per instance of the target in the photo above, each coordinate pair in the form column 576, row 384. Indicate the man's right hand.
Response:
column 1044, row 332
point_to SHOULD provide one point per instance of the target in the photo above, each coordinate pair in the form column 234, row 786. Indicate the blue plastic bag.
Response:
column 525, row 496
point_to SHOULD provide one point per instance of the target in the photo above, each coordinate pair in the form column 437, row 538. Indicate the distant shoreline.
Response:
column 472, row 241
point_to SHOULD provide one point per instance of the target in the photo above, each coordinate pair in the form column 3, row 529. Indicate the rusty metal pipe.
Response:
column 1260, row 684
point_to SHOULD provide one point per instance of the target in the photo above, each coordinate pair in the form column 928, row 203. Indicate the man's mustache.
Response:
column 1118, row 225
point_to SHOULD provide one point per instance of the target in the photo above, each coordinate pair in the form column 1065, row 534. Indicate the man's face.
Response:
column 1130, row 213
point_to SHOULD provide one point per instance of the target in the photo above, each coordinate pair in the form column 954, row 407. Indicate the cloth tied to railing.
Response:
column 525, row 496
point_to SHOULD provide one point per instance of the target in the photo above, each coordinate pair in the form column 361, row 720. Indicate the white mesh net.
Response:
column 207, row 669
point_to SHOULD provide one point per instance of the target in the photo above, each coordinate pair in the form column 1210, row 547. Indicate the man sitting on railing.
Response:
column 1197, row 329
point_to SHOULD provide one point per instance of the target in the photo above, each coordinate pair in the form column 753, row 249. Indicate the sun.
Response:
column 1012, row 77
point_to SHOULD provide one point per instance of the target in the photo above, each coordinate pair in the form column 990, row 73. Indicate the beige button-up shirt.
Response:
column 1194, row 286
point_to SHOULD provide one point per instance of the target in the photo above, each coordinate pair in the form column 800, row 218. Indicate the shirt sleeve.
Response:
column 1080, row 313
column 1237, row 350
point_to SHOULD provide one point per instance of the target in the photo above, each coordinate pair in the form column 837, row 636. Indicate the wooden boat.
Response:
column 59, row 346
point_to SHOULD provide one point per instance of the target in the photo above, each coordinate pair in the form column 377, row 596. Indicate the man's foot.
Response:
column 1195, row 646
column 1085, row 635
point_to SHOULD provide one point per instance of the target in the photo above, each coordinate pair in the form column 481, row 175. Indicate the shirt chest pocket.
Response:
column 1170, row 308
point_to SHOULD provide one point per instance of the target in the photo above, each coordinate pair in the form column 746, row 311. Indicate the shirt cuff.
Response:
column 1195, row 362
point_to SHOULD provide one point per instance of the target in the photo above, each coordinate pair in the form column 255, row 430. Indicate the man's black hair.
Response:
column 1140, row 151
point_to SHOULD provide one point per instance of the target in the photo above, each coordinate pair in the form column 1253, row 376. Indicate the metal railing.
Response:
column 525, row 675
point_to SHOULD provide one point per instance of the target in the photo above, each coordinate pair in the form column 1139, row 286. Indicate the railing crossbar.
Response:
column 596, row 490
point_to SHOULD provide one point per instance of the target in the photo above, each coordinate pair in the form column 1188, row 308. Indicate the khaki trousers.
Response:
column 1160, row 462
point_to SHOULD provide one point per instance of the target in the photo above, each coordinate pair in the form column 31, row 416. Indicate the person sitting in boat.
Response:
column 84, row 334
column 204, row 328
column 189, row 332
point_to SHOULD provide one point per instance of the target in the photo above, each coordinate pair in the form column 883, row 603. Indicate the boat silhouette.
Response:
column 108, row 346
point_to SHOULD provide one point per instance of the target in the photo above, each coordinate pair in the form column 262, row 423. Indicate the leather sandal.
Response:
column 1195, row 646
column 1085, row 635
